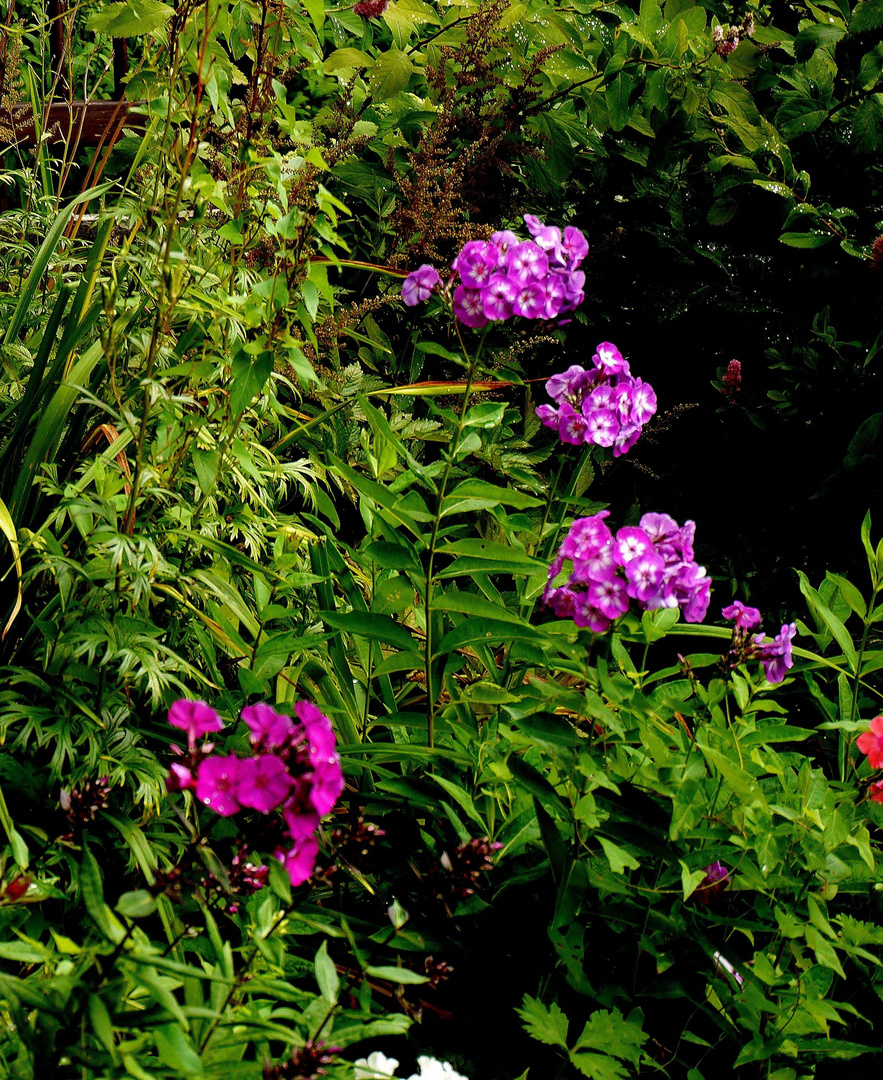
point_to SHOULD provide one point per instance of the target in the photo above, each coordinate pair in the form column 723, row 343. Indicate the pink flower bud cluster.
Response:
column 775, row 655
column 294, row 770
column 506, row 276
column 605, row 406
column 596, row 574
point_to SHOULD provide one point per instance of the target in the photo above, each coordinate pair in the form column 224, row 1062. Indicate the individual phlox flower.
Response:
column 776, row 655
column 530, row 300
column 630, row 543
column 586, row 536
column 468, row 307
column 268, row 728
column 644, row 574
column 548, row 416
column 216, row 784
column 569, row 385
column 527, row 262
column 419, row 285
column 263, row 783
column 609, row 597
column 572, row 425
column 746, row 618
column 498, row 299
column 196, row 718
column 610, row 359
column 476, row 262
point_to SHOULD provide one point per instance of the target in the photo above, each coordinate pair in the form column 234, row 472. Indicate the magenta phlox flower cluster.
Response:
column 597, row 575
column 604, row 406
column 294, row 770
column 506, row 276
column 775, row 655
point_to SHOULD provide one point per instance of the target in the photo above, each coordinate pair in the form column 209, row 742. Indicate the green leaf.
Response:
column 19, row 847
column 326, row 975
column 547, row 1026
column 612, row 1033
column 474, row 604
column 136, row 905
column 21, row 952
column 867, row 125
column 390, row 74
column 598, row 1066
column 483, row 632
column 402, row 976
column 850, row 594
column 840, row 633
column 177, row 1051
column 806, row 239
column 495, row 495
column 736, row 778
column 617, row 97
column 618, row 858
column 867, row 15
column 134, row 19
column 800, row 115
column 366, row 624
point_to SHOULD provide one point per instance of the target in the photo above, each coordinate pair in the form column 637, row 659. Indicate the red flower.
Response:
column 871, row 743
column 875, row 792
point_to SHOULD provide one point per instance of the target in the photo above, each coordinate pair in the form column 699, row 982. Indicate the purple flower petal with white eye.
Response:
column 600, row 566
column 630, row 543
column 569, row 385
column 468, row 308
column 533, row 223
column 626, row 439
column 476, row 262
column 622, row 400
column 643, row 402
column 497, row 299
column 548, row 416
column 530, row 301
column 586, row 537
column 644, row 575
column 263, row 783
column 685, row 540
column 216, row 784
column 609, row 597
column 602, row 427
column 610, row 359
column 571, row 425
column 527, row 262
column 585, row 614
column 660, row 528
column 555, row 300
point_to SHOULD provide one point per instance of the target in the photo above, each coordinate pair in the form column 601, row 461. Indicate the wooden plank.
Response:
column 86, row 123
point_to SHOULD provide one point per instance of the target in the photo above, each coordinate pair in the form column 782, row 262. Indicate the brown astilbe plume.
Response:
column 475, row 138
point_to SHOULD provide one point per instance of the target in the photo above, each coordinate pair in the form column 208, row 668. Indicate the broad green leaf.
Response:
column 806, row 239
column 133, row 19
column 546, row 1025
column 402, row 976
column 326, row 975
column 368, row 625
column 867, row 15
column 495, row 495
column 390, row 74
column 483, row 632
column 136, row 905
column 618, row 858
column 474, row 604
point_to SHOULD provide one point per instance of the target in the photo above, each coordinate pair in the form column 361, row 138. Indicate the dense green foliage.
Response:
column 234, row 467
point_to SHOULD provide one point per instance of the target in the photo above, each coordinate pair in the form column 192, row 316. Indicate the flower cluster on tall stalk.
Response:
column 506, row 276
column 597, row 575
column 605, row 406
column 775, row 655
column 294, row 770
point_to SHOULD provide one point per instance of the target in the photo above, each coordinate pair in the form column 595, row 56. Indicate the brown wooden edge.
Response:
column 86, row 123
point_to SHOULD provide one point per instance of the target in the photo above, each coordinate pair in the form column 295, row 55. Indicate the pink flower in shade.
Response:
column 269, row 729
column 326, row 782
column 745, row 617
column 419, row 284
column 629, row 544
column 585, row 614
column 300, row 859
column 263, row 783
column 572, row 425
column 216, row 784
column 610, row 359
column 717, row 878
column 609, row 597
column 871, row 743
column 875, row 792
column 194, row 717
column 180, row 778
column 497, row 299
column 468, row 307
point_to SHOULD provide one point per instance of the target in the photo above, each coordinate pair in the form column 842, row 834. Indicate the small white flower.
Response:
column 432, row 1069
column 376, row 1065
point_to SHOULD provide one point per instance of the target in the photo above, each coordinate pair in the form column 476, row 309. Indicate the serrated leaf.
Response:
column 390, row 74
column 548, row 1026
column 130, row 20
column 613, row 1034
column 347, row 60
column 867, row 15
column 867, row 125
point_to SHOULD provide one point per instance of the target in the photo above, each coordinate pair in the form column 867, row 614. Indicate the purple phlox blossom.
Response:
column 326, row 783
column 370, row 9
column 196, row 718
column 180, row 778
column 476, row 262
column 600, row 426
column 503, row 241
column 530, row 300
column 569, row 385
column 263, row 783
column 548, row 416
column 626, row 438
column 527, row 262
column 574, row 246
column 269, row 729
column 216, row 784
column 610, row 359
column 498, row 298
column 746, row 618
column 299, row 823
column 631, row 543
column 635, row 564
column 644, row 574
column 468, row 307
column 572, row 425
column 775, row 655
column 553, row 288
column 419, row 284
column 643, row 402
